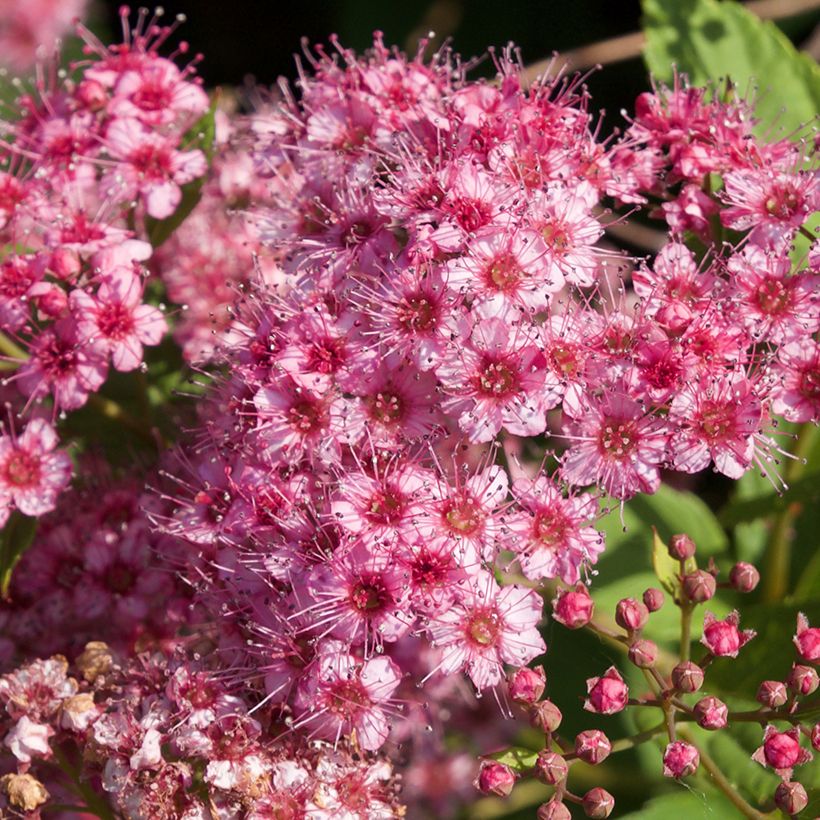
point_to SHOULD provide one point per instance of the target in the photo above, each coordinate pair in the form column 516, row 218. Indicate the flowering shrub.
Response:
column 429, row 393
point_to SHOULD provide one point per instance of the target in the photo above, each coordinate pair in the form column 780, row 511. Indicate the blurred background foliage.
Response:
column 730, row 521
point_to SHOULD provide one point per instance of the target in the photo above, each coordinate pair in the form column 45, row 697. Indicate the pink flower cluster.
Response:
column 164, row 738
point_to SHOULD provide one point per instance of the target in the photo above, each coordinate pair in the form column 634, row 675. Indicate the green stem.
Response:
column 686, row 610
column 777, row 560
column 722, row 782
column 807, row 233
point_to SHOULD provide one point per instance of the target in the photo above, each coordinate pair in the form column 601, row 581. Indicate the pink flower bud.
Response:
column 550, row 767
column 681, row 547
column 680, row 760
column 803, row 680
column 592, row 746
column 772, row 693
column 527, row 685
column 495, row 778
column 65, row 263
column 608, row 694
column 643, row 653
column 790, row 797
column 653, row 599
column 687, row 677
column 573, row 608
column 815, row 736
column 807, row 640
column 699, row 586
column 744, row 577
column 675, row 316
column 91, row 95
column 545, row 716
column 554, row 810
column 598, row 803
column 711, row 713
column 631, row 614
column 723, row 638
column 781, row 751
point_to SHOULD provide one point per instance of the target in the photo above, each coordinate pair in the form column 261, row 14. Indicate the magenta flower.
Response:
column 32, row 474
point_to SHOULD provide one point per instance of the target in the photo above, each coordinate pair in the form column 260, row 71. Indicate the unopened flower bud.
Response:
column 91, row 94
column 772, row 693
column 687, row 677
column 781, row 750
column 550, row 767
column 711, row 713
column 653, row 599
column 807, row 640
column 592, row 746
column 527, row 685
column 723, row 638
column 546, row 716
column 608, row 694
column 681, row 547
column 802, row 680
column 495, row 778
column 744, row 577
column 815, row 736
column 699, row 586
column 643, row 653
column 680, row 759
column 573, row 608
column 598, row 803
column 24, row 792
column 631, row 614
column 790, row 797
column 554, row 810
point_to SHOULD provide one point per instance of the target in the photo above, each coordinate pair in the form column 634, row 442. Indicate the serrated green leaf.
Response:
column 667, row 569
column 709, row 40
column 15, row 539
column 518, row 758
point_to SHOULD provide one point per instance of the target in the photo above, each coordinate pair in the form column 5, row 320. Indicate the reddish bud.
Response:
column 681, row 547
column 573, row 608
column 807, row 640
column 631, row 614
column 802, row 680
column 643, row 653
column 772, row 693
column 608, row 694
column 65, row 263
column 711, row 713
column 527, row 685
column 781, row 751
column 592, row 746
column 815, row 736
column 545, row 716
column 680, row 760
column 598, row 803
column 699, row 586
column 91, row 95
column 495, row 778
column 554, row 810
column 723, row 638
column 550, row 767
column 744, row 577
column 790, row 797
column 653, row 599
column 687, row 677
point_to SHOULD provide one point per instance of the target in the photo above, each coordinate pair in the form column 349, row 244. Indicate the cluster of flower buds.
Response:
column 676, row 692
column 160, row 736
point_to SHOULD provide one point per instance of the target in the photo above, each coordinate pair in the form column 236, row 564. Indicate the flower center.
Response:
column 483, row 627
column 783, row 201
column 387, row 408
column 503, row 272
column 471, row 214
column 810, row 384
column 387, row 506
column 717, row 421
column 306, row 416
column 115, row 321
column 617, row 438
column 772, row 296
column 416, row 313
column 369, row 595
column 549, row 528
column 498, row 379
column 152, row 162
column 23, row 469
column 463, row 515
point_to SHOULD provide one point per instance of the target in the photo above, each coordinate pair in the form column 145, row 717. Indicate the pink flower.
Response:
column 343, row 695
column 807, row 639
column 29, row 740
column 150, row 167
column 680, row 760
column 32, row 475
column 796, row 391
column 781, row 751
column 550, row 534
column 723, row 638
column 607, row 694
column 487, row 627
column 118, row 319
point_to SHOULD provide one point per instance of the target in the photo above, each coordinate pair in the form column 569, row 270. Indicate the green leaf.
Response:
column 518, row 758
column 708, row 40
column 689, row 804
column 15, row 539
column 667, row 568
column 201, row 137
